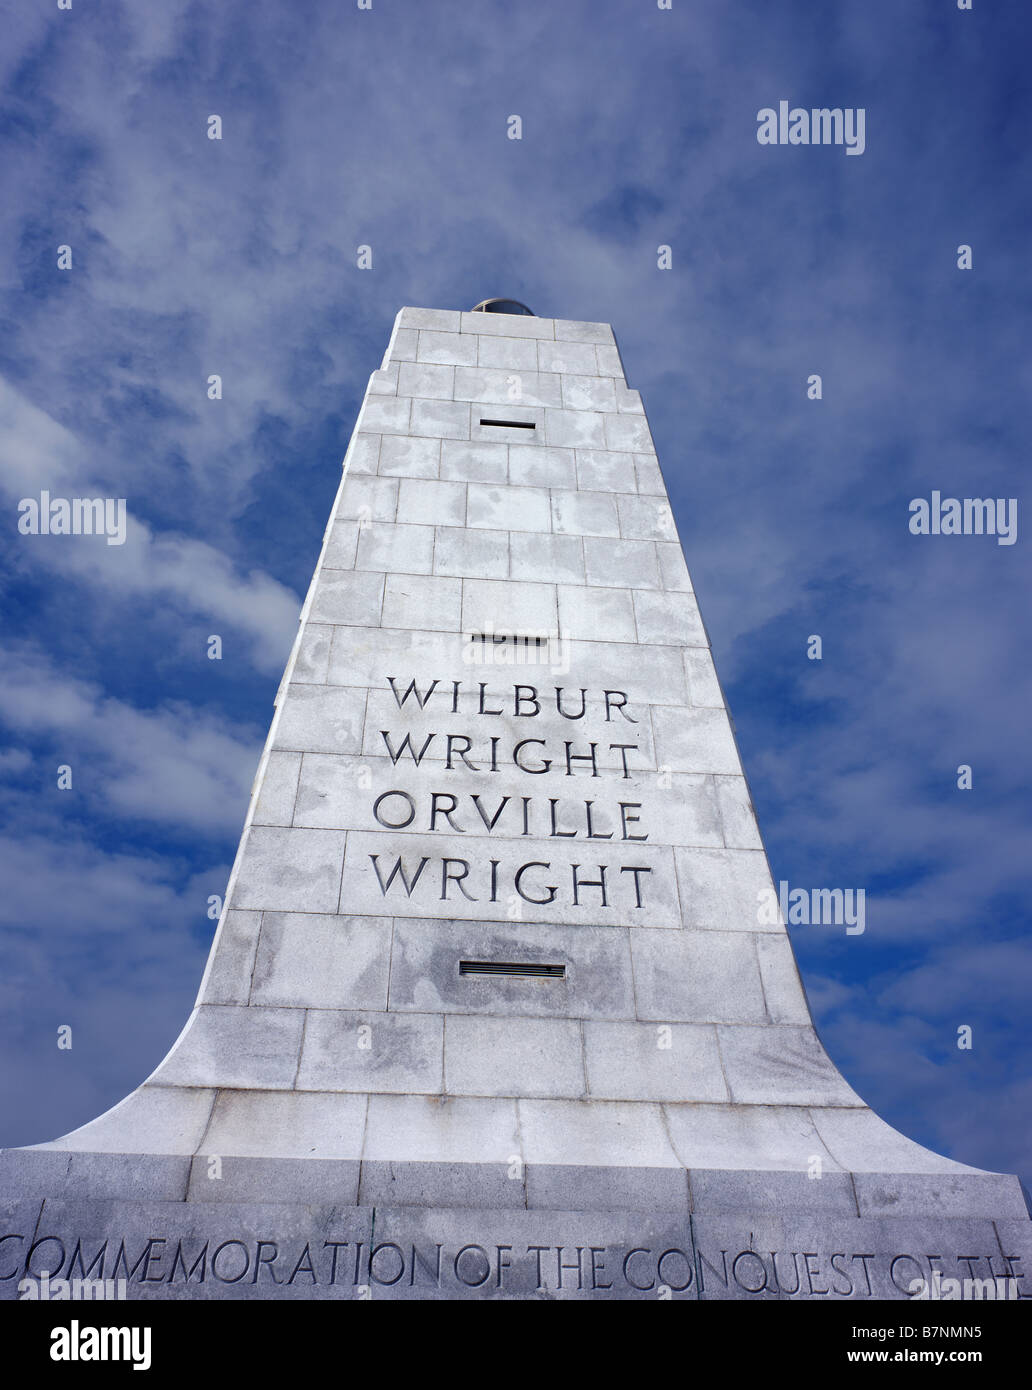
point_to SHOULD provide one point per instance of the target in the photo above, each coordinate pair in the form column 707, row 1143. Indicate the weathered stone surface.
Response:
column 330, row 1250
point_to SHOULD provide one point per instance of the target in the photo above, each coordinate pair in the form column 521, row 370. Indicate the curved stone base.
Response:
column 267, row 1194
column 216, row 1145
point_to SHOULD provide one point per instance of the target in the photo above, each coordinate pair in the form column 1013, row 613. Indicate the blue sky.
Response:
column 388, row 128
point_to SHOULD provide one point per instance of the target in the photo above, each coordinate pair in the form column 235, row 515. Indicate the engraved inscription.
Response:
column 452, row 838
column 160, row 1263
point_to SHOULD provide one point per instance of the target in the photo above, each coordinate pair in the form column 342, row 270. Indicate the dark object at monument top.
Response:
column 501, row 306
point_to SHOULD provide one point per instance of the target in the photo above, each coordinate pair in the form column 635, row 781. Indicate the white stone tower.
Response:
column 492, row 1009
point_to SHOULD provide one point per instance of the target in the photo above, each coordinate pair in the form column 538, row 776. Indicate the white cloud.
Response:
column 40, row 454
column 172, row 765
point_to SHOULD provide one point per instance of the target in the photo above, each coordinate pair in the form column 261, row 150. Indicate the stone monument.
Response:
column 492, row 1011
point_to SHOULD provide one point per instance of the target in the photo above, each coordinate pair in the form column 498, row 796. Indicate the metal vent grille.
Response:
column 511, row 967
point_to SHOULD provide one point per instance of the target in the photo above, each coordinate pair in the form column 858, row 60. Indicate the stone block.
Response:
column 505, row 386
column 427, row 380
column 578, row 358
column 501, row 508
column 320, row 718
column 511, row 423
column 497, row 605
column 407, row 457
column 780, row 1065
column 227, row 979
column 385, row 381
column 344, row 596
column 575, row 429
column 695, row 740
column 538, row 466
column 578, row 331
column 251, row 1180
column 649, row 477
column 782, row 987
column 646, row 519
column 486, row 1056
column 432, row 502
column 475, row 463
column 312, row 655
column 422, row 601
column 425, row 974
column 703, row 686
column 696, row 977
column 403, row 345
column 598, row 1134
column 471, row 554
column 586, row 612
column 621, row 564
column 584, row 514
column 339, row 551
column 726, row 890
column 368, row 499
column 453, row 1130
column 507, row 326
column 286, row 1124
column 555, row 559
column 516, row 354
column 384, row 415
column 226, row 1045
column 607, row 356
column 456, row 349
column 599, row 470
column 394, row 549
column 323, row 961
column 734, row 1191
column 361, row 657
column 440, row 419
column 861, row 1141
column 289, row 870
column 611, row 1189
column 748, row 1138
column 672, row 568
column 152, row 1119
column 362, row 455
column 275, row 805
column 627, row 433
column 438, row 320
column 586, row 393
column 946, row 1195
column 371, row 1052
column 627, row 401
column 670, row 620
column 649, row 1062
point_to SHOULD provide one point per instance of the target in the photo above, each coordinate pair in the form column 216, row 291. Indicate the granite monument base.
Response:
column 593, row 1233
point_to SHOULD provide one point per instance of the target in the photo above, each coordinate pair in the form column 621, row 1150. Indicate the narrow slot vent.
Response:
column 525, row 640
column 511, row 424
column 510, row 967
